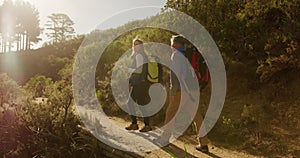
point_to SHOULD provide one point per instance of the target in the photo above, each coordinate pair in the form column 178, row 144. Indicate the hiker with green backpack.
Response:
column 138, row 85
column 143, row 76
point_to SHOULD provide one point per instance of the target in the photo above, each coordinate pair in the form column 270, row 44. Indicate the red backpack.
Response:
column 201, row 70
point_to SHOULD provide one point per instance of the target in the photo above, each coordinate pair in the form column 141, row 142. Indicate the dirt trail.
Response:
column 184, row 147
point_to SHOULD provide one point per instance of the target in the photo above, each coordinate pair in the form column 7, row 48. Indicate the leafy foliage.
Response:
column 37, row 85
column 21, row 25
column 55, row 128
column 261, row 31
column 60, row 26
column 10, row 92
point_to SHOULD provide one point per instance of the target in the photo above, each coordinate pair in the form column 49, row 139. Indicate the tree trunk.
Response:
column 9, row 44
column 18, row 42
column 28, row 43
column 66, row 108
column 23, row 41
column 4, row 46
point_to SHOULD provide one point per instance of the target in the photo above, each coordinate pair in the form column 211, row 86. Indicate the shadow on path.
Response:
column 172, row 149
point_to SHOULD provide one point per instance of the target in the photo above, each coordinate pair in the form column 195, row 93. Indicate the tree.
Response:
column 20, row 25
column 28, row 28
column 10, row 92
column 37, row 85
column 253, row 31
column 9, row 19
column 60, row 27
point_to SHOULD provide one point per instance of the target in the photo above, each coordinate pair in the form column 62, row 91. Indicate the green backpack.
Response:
column 154, row 69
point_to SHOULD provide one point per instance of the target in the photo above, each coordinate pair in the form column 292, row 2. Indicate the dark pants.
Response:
column 140, row 95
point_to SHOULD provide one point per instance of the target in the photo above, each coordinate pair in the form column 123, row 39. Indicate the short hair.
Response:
column 178, row 39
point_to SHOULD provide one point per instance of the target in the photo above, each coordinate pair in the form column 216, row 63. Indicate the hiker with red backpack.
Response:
column 203, row 77
column 199, row 64
column 182, row 94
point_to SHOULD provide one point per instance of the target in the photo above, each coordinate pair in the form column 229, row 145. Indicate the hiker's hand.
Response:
column 125, row 69
column 171, row 98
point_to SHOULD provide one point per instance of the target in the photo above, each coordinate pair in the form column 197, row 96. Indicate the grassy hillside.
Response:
column 262, row 117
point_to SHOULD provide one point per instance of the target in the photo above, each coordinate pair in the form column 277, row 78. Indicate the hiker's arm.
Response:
column 174, row 79
column 139, row 62
column 185, row 74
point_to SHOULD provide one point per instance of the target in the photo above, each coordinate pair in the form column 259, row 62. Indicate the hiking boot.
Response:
column 132, row 127
column 161, row 141
column 203, row 149
column 146, row 129
column 164, row 139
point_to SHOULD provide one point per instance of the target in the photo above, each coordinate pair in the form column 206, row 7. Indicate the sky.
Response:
column 88, row 14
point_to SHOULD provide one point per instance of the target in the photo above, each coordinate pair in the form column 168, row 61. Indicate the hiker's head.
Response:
column 137, row 45
column 177, row 41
